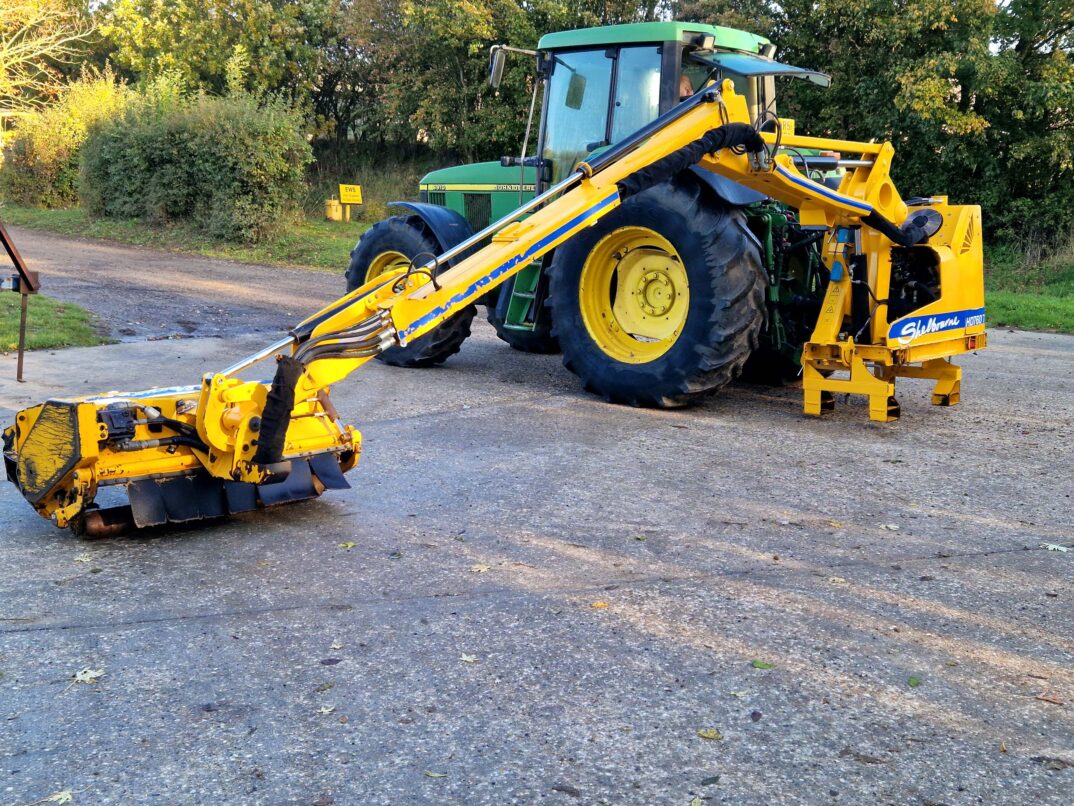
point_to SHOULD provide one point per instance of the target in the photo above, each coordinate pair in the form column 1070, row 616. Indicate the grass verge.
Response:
column 50, row 323
column 1030, row 311
column 1024, row 293
column 1030, row 294
column 311, row 244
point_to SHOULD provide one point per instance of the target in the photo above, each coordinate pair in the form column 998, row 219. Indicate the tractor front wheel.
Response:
column 662, row 301
column 392, row 244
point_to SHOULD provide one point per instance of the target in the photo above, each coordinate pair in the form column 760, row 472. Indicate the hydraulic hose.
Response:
column 276, row 415
column 729, row 135
column 909, row 234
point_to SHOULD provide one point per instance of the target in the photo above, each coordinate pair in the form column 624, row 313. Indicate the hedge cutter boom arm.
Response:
column 228, row 445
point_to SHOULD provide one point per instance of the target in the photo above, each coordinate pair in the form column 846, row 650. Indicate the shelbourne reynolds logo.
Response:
column 909, row 330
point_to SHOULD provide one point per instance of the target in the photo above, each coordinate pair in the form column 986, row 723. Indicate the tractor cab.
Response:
column 603, row 84
column 599, row 85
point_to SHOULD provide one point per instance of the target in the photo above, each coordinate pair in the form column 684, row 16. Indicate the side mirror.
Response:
column 497, row 61
column 575, row 91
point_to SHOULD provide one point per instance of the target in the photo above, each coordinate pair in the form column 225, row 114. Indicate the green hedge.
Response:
column 235, row 165
column 41, row 157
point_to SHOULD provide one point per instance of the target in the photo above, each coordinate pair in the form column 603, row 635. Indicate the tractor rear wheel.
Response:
column 392, row 244
column 662, row 301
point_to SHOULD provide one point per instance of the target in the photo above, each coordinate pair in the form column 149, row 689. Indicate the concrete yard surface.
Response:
column 531, row 596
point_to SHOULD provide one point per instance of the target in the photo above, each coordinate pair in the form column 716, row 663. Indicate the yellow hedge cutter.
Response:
column 227, row 445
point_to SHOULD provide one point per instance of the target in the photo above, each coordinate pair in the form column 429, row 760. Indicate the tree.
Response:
column 425, row 66
column 35, row 37
column 977, row 96
column 197, row 38
column 755, row 16
column 1029, row 104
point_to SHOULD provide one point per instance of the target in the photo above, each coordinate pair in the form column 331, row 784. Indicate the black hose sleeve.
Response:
column 276, row 415
column 910, row 234
column 808, row 240
column 730, row 135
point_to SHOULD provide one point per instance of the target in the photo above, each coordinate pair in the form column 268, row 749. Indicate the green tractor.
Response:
column 666, row 299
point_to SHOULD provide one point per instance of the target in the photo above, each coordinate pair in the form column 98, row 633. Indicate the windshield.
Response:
column 577, row 108
column 579, row 92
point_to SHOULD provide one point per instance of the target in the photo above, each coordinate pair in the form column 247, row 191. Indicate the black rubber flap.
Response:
column 241, row 497
column 176, row 500
column 147, row 504
column 297, row 486
column 208, row 493
column 326, row 467
column 180, row 499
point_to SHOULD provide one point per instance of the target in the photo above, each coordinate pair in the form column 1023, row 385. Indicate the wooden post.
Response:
column 22, row 335
column 28, row 283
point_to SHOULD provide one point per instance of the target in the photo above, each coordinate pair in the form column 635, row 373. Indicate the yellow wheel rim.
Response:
column 634, row 295
column 386, row 261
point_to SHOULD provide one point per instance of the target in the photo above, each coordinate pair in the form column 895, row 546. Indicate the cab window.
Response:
column 577, row 115
column 582, row 115
column 637, row 90
column 694, row 75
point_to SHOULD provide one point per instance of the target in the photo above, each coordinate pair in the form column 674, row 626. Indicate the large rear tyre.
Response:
column 662, row 301
column 392, row 244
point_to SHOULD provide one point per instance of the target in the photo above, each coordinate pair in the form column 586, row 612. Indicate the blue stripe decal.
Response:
column 489, row 278
column 809, row 184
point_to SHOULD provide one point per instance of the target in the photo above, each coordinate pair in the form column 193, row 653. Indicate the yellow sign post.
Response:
column 348, row 195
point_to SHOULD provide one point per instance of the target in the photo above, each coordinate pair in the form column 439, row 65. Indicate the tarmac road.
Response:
column 454, row 655
column 144, row 293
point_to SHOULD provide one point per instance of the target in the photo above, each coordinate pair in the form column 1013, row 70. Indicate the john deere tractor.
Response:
column 667, row 298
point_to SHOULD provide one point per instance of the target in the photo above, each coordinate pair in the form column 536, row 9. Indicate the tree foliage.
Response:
column 235, row 165
column 198, row 38
column 427, row 69
column 41, row 159
column 36, row 36
column 976, row 95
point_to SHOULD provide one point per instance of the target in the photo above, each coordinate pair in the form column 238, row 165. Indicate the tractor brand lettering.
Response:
column 488, row 188
column 909, row 330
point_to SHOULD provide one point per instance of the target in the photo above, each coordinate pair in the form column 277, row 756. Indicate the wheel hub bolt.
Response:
column 656, row 293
